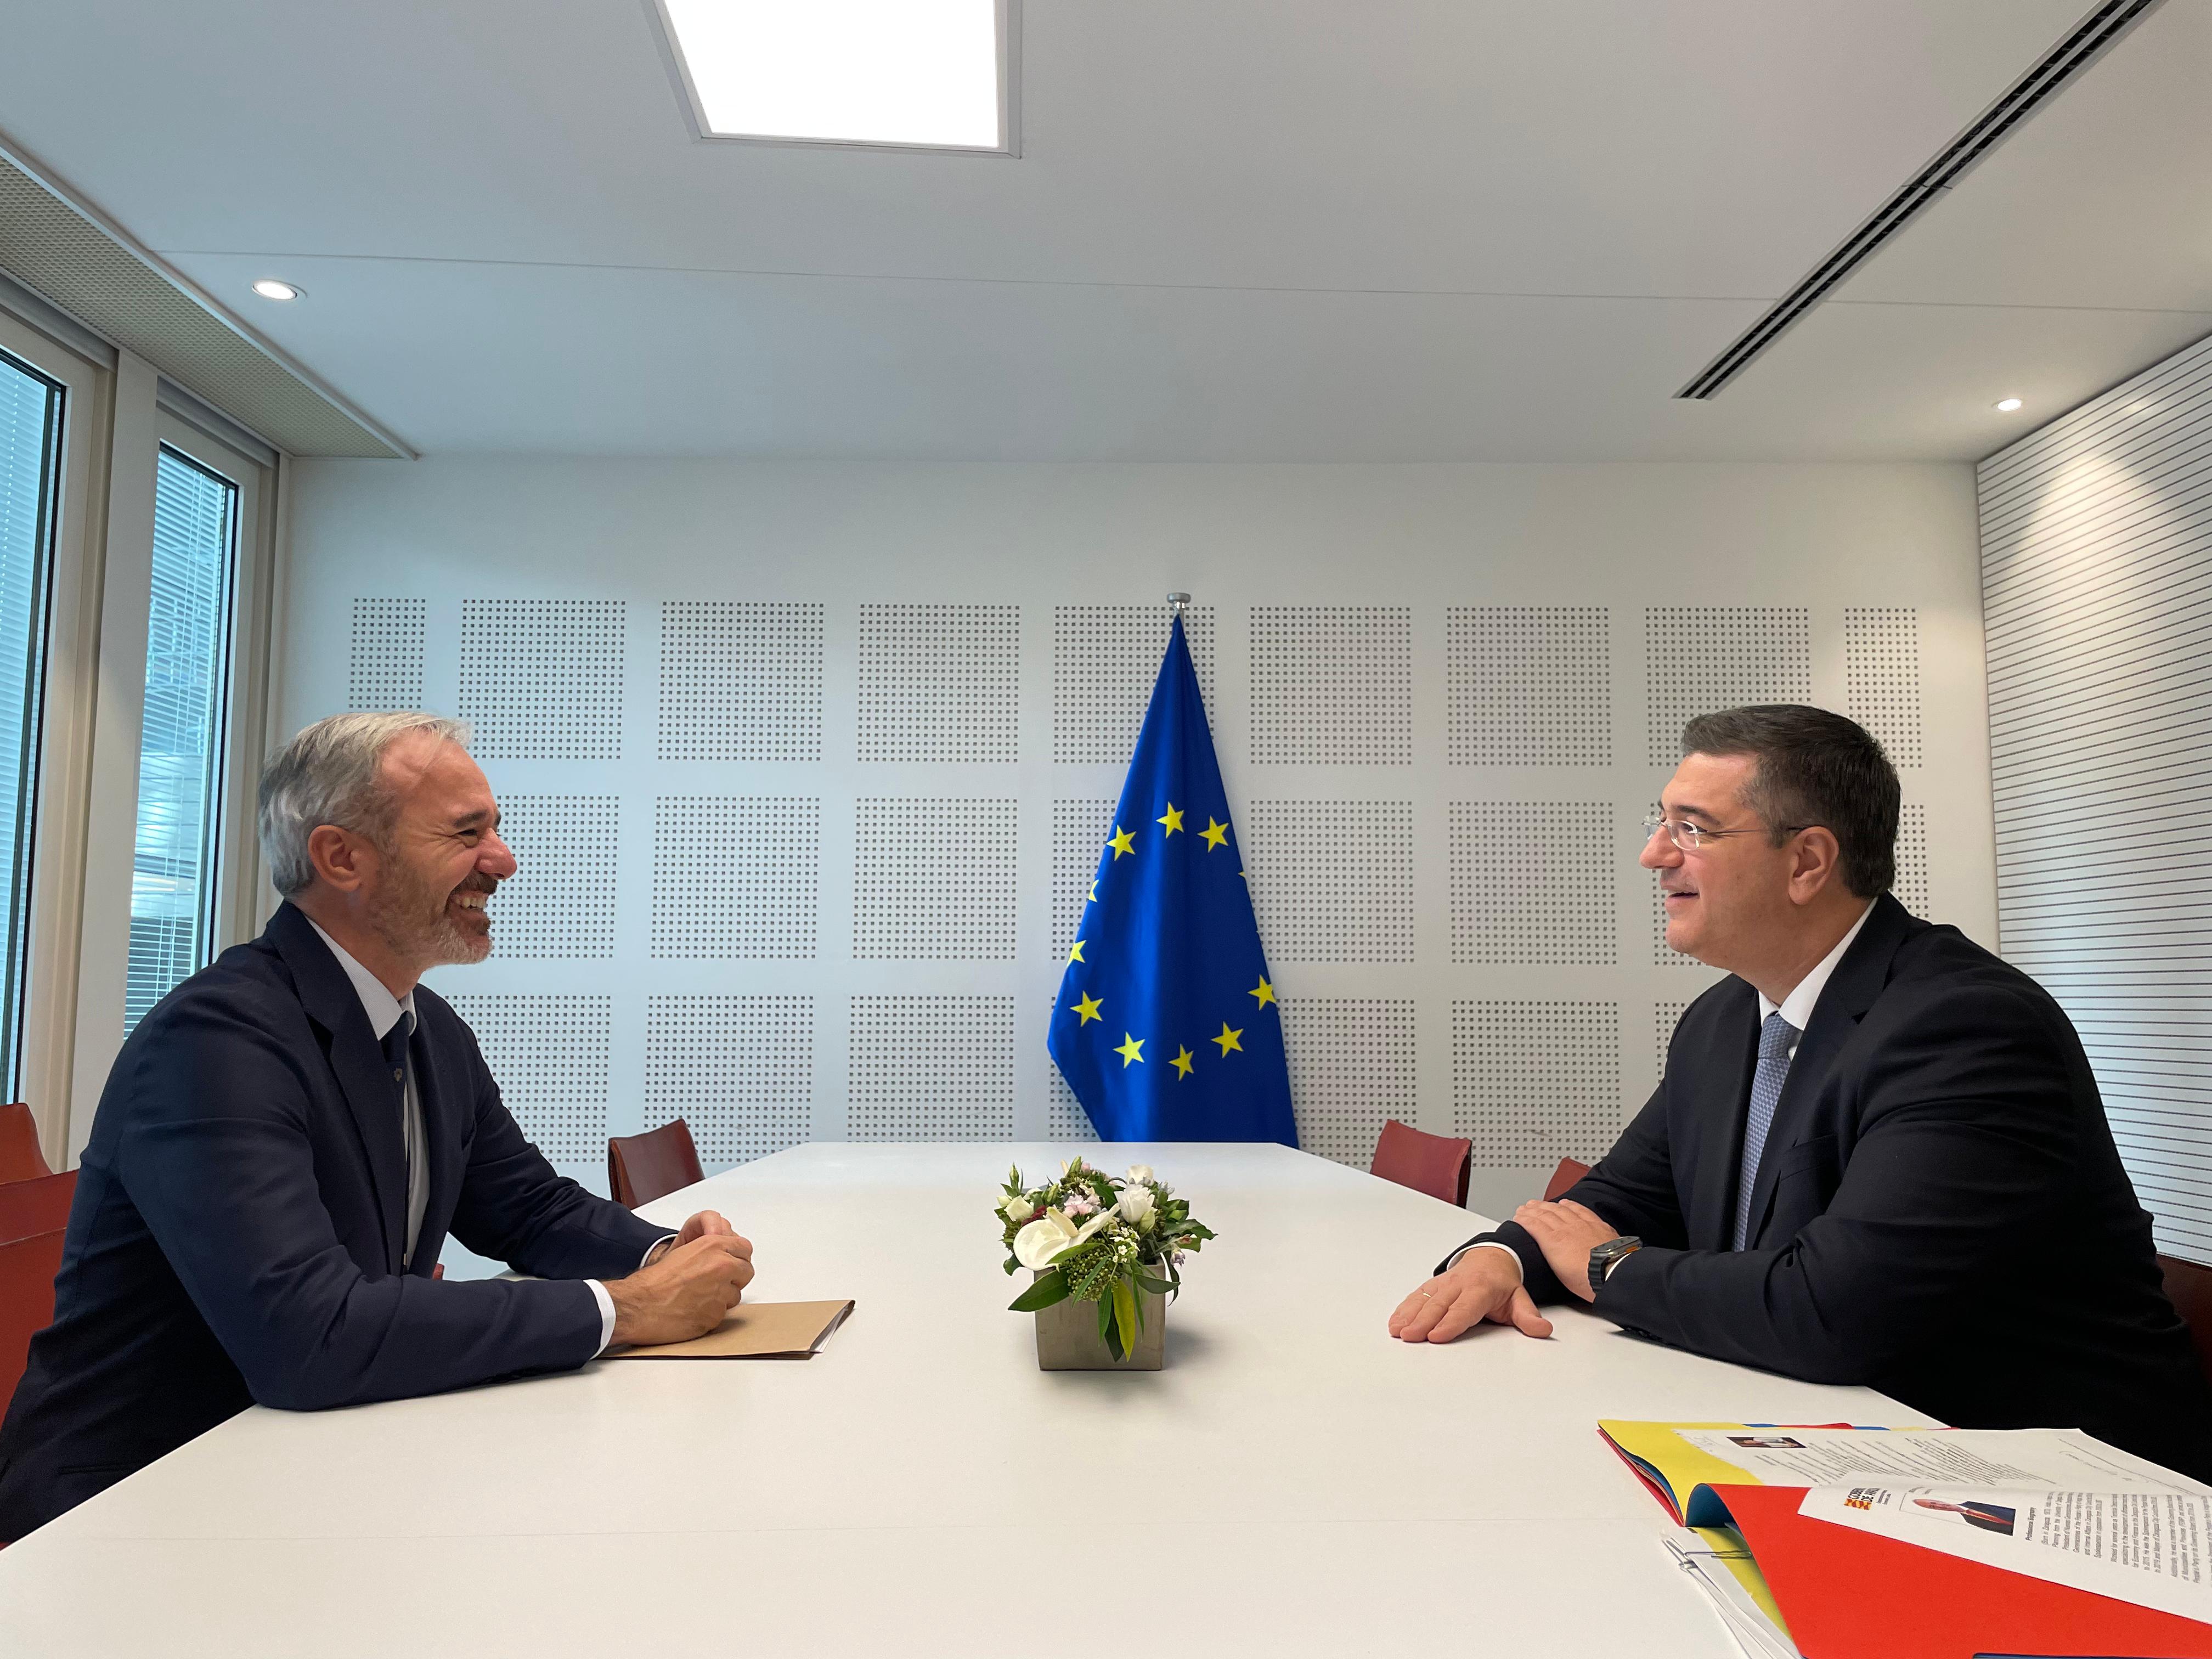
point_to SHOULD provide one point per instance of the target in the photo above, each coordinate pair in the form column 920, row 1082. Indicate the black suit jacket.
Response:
column 1940, row 1213
column 239, row 1215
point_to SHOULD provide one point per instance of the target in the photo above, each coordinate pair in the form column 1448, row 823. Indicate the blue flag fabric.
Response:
column 1166, row 1026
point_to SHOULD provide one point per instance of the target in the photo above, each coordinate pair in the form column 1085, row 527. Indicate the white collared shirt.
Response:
column 1796, row 1008
column 384, row 1011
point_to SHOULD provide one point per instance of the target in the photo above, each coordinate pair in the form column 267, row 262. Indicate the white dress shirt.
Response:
column 1796, row 1008
column 384, row 1011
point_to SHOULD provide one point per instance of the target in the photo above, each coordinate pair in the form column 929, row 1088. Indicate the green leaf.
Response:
column 1125, row 1315
column 1052, row 1288
column 1106, row 1332
column 1149, row 1285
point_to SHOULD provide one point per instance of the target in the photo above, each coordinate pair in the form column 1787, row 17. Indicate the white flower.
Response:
column 1141, row 1172
column 1036, row 1244
column 1136, row 1206
column 1016, row 1207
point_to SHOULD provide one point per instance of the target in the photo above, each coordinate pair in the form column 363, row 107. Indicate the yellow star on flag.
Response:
column 1264, row 995
column 1132, row 1049
column 1228, row 1040
column 1093, row 899
column 1086, row 1009
column 1075, row 954
column 1172, row 817
column 1182, row 1063
column 1214, row 834
column 1122, row 842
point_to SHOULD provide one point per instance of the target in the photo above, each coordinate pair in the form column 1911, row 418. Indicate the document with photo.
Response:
column 1976, row 1457
column 2145, row 1546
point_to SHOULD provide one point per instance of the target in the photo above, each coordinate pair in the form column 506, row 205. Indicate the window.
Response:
column 173, row 885
column 30, row 449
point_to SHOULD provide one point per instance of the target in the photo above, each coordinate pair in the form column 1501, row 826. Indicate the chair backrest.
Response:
column 20, row 1157
column 1435, row 1164
column 2188, row 1287
column 41, row 1205
column 641, row 1168
column 1565, row 1176
column 28, row 1266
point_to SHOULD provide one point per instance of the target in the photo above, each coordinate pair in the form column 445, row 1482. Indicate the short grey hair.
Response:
column 331, row 773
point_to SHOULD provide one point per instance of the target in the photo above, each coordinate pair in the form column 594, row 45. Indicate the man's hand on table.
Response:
column 1568, row 1232
column 699, row 1226
column 1483, row 1284
column 688, row 1288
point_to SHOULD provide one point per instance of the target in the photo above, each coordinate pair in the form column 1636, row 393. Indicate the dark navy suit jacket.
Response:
column 239, row 1219
column 1940, row 1213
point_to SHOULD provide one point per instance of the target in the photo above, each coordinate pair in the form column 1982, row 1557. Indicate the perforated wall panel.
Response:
column 1333, row 881
column 736, row 877
column 2097, row 592
column 542, row 679
column 384, row 664
column 1881, row 677
column 740, row 682
column 548, row 1056
column 1912, row 885
column 739, row 1070
column 1080, row 830
column 1105, row 659
column 560, row 902
column 1353, row 1067
column 1331, row 685
column 931, row 1068
column 1534, row 882
column 1065, row 1118
column 1703, row 658
column 1536, row 1082
column 940, row 682
column 1529, row 685
column 934, row 880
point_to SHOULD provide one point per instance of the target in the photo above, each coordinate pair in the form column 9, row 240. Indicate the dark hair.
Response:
column 1814, row 768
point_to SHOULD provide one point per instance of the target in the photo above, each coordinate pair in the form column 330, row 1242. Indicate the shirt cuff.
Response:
column 606, row 1315
column 607, row 1302
column 1452, row 1261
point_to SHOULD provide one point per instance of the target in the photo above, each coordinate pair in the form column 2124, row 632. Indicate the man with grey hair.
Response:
column 286, row 1139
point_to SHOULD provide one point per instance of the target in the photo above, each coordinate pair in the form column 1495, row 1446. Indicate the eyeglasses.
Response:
column 1695, row 837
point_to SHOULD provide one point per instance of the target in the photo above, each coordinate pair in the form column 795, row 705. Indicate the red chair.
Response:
column 641, row 1168
column 1435, row 1164
column 2188, row 1287
column 41, row 1205
column 20, row 1157
column 28, row 1266
column 1565, row 1176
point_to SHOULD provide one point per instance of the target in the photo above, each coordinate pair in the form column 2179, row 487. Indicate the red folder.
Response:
column 1848, row 1595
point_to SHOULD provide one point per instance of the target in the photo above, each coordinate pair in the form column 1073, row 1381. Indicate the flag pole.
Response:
column 1178, row 602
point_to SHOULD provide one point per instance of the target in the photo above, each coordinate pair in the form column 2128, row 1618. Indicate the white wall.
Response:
column 1403, row 998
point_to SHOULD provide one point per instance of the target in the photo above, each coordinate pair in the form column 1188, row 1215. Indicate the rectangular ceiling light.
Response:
column 928, row 73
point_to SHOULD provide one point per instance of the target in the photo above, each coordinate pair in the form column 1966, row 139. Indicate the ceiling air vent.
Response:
column 2051, row 73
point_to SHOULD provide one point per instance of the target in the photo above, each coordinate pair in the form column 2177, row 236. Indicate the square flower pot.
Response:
column 1068, row 1337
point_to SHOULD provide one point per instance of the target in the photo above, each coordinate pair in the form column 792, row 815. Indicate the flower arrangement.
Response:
column 1096, row 1239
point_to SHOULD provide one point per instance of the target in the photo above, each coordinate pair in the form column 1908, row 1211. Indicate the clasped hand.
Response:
column 687, row 1287
column 1485, row 1284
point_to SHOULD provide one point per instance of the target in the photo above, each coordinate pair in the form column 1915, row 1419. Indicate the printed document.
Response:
column 2022, row 1458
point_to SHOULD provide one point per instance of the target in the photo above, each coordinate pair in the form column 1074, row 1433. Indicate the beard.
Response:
column 413, row 920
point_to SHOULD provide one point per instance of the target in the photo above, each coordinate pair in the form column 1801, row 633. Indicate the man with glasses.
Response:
column 1877, row 1155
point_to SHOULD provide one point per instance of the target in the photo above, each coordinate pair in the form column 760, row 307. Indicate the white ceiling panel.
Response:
column 1289, row 229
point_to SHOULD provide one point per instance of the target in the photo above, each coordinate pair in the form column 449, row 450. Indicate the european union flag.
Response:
column 1166, row 1026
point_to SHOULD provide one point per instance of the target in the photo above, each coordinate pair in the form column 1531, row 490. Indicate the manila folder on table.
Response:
column 755, row 1330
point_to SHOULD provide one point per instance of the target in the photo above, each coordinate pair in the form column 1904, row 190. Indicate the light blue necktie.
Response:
column 1774, row 1040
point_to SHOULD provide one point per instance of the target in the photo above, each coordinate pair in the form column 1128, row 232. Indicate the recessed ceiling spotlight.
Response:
column 2006, row 406
column 932, row 74
column 269, row 288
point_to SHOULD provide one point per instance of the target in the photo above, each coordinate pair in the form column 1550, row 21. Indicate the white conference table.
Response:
column 1292, row 1483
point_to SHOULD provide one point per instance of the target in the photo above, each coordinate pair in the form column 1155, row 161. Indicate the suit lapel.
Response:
column 1723, row 1088
column 1851, row 991
column 335, row 1008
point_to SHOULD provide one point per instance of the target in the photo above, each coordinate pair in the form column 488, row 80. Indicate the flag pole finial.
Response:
column 1178, row 602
